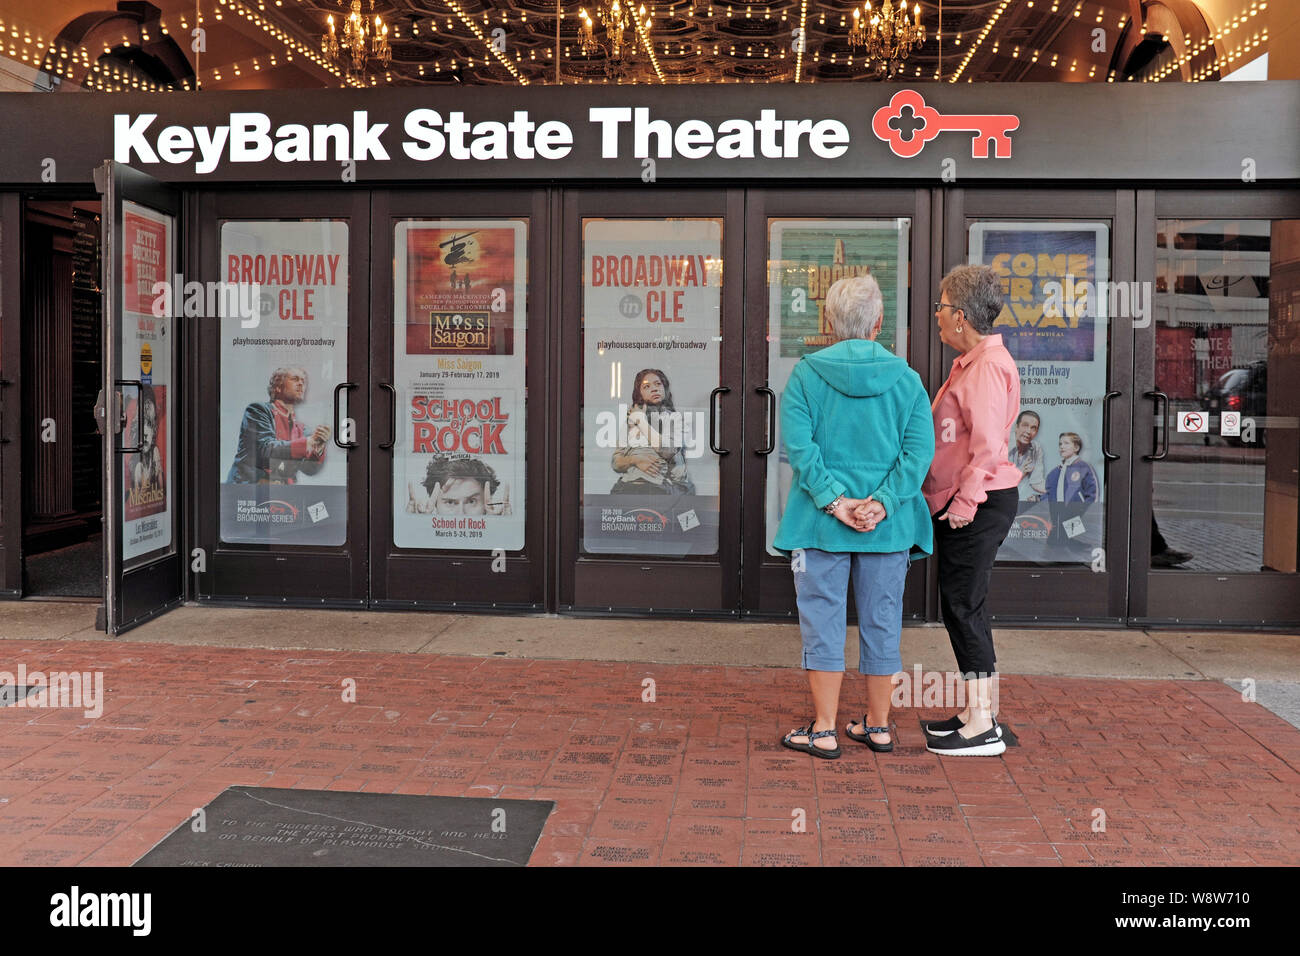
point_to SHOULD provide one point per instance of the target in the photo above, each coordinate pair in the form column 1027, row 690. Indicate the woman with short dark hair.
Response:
column 971, row 491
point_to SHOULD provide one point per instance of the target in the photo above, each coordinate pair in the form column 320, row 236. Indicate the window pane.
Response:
column 804, row 258
column 652, row 348
column 285, row 481
column 459, row 347
column 1226, row 350
column 1059, row 304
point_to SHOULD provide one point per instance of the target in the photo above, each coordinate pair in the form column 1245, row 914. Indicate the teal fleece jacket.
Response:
column 855, row 420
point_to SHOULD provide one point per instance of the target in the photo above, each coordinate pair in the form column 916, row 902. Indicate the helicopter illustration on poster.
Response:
column 457, row 254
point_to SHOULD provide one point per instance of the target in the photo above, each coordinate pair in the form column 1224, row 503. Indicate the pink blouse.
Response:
column 973, row 415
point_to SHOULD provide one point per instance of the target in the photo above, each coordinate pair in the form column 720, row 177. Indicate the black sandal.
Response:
column 865, row 736
column 830, row 753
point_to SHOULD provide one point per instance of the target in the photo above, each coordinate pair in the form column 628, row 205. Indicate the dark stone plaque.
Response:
column 261, row 826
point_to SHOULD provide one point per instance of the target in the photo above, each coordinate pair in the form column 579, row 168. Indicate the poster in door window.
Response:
column 284, row 480
column 1055, row 279
column 805, row 258
column 146, row 349
column 651, row 353
column 459, row 314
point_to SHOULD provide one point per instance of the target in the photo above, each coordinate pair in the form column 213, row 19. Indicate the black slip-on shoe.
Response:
column 942, row 728
column 987, row 744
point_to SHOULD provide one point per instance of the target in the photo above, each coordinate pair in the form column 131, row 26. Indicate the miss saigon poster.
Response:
column 459, row 313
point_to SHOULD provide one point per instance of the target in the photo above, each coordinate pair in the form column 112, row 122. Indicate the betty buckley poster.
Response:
column 651, row 351
column 284, row 479
column 146, row 348
column 460, row 305
column 1056, row 332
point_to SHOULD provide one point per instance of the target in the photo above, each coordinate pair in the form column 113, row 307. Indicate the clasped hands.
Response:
column 860, row 514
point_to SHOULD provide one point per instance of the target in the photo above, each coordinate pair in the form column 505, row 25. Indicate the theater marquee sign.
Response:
column 934, row 132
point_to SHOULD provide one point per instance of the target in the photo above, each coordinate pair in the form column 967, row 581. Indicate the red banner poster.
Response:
column 144, row 261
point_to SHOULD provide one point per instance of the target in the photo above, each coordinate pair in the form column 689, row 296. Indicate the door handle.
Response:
column 1105, row 426
column 3, row 383
column 1158, row 395
column 771, row 420
column 713, row 420
column 121, row 413
column 392, row 427
column 337, row 389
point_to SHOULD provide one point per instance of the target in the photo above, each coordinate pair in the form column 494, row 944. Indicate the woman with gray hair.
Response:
column 971, row 490
column 855, row 421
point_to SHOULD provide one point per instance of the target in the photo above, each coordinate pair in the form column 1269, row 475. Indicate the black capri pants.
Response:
column 966, row 557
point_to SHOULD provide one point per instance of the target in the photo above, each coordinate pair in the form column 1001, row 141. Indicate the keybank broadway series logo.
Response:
column 906, row 124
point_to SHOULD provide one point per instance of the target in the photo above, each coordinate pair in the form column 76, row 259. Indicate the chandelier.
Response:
column 887, row 34
column 622, row 26
column 352, row 46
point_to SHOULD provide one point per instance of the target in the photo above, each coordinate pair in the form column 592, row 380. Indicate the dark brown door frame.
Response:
column 250, row 574
column 768, row 589
column 1173, row 596
column 449, row 578
column 1075, row 594
column 696, row 586
column 11, row 491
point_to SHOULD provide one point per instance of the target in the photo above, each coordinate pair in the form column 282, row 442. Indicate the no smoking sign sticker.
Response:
column 1197, row 422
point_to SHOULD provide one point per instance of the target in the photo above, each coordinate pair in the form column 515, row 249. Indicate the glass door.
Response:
column 1220, row 370
column 282, row 397
column 142, row 496
column 11, row 527
column 1067, row 265
column 458, row 504
column 798, row 243
column 651, row 403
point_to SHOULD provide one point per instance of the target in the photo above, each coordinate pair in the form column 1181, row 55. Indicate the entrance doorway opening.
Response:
column 62, row 451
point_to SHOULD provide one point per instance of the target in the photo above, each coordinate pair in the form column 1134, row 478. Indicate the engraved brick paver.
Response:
column 1110, row 772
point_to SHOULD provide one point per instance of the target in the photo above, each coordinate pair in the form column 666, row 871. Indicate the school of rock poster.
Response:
column 146, row 348
column 1056, row 332
column 651, row 356
column 459, row 358
column 284, row 481
column 804, row 259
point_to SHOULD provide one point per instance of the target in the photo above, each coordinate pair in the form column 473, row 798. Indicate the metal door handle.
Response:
column 392, row 428
column 1105, row 426
column 771, row 420
column 337, row 389
column 1157, row 395
column 713, row 420
column 121, row 412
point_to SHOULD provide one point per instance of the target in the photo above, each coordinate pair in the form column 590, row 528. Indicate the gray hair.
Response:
column 977, row 291
column 854, row 307
column 279, row 375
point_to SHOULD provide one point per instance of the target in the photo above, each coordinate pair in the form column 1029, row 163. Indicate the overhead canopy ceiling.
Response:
column 277, row 43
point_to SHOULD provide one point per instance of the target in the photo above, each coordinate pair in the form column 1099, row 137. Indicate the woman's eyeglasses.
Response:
column 943, row 305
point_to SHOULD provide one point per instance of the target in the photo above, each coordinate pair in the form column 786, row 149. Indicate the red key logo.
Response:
column 925, row 123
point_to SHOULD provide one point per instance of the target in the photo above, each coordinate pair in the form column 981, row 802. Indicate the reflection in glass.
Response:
column 1226, row 324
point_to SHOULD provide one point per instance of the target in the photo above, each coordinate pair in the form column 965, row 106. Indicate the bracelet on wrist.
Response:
column 830, row 508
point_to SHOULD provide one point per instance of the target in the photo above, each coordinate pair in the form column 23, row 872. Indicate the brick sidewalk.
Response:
column 1185, row 772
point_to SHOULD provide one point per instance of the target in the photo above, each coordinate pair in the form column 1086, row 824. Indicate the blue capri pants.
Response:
column 822, row 590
